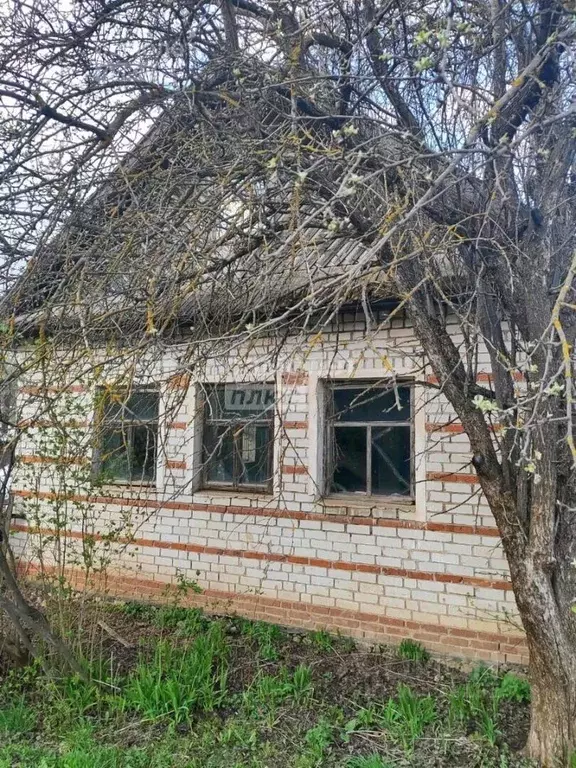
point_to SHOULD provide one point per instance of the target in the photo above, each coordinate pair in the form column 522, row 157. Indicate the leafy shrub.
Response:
column 137, row 610
column 513, row 688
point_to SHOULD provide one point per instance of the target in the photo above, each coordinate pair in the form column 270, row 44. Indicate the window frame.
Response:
column 234, row 486
column 330, row 442
column 103, row 424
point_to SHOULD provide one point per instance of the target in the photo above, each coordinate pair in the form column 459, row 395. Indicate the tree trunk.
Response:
column 552, row 739
column 538, row 534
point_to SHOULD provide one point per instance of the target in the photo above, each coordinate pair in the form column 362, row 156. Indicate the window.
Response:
column 370, row 440
column 238, row 436
column 128, row 436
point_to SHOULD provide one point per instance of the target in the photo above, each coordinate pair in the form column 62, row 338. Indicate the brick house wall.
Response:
column 430, row 568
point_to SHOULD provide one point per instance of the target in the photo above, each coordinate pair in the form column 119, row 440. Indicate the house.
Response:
column 308, row 471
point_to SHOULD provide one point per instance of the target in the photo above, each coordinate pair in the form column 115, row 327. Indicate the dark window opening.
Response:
column 370, row 440
column 238, row 436
column 128, row 437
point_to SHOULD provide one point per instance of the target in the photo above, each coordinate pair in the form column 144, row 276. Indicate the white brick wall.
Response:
column 404, row 561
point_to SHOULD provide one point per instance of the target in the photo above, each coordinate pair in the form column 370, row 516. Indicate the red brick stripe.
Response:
column 316, row 562
column 295, row 424
column 294, row 469
column 509, row 648
column 452, row 477
column 486, row 377
column 454, row 428
column 296, row 377
column 24, row 459
column 171, row 464
column 472, row 530
column 177, row 425
column 73, row 388
column 46, row 423
column 179, row 381
column 451, row 427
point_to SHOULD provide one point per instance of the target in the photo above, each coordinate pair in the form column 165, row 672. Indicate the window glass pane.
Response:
column 139, row 406
column 240, row 401
column 254, row 449
column 143, row 406
column 391, row 460
column 113, row 407
column 371, row 404
column 144, row 453
column 114, row 459
column 349, row 460
column 219, row 453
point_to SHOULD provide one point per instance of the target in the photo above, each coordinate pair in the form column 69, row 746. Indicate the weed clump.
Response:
column 413, row 651
column 176, row 680
column 200, row 692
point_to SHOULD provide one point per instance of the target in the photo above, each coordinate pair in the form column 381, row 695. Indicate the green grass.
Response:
column 413, row 651
column 16, row 719
column 403, row 718
column 268, row 692
column 406, row 716
column 265, row 636
column 371, row 761
column 228, row 693
column 186, row 622
column 136, row 610
column 513, row 688
column 174, row 681
column 318, row 741
column 476, row 704
column 302, row 687
column 321, row 640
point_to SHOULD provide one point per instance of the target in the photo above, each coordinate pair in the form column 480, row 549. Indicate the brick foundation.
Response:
column 372, row 628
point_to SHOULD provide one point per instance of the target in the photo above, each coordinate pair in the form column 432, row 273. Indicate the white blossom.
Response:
column 484, row 404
